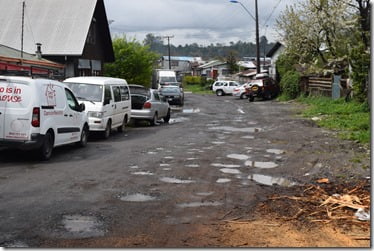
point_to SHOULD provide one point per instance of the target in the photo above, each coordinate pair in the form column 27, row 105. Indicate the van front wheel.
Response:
column 108, row 128
column 45, row 151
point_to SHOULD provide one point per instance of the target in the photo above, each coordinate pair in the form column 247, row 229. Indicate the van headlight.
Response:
column 99, row 115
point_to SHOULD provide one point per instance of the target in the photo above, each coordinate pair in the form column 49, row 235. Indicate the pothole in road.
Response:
column 235, row 129
column 192, row 165
column 275, row 151
column 143, row 173
column 270, row 180
column 225, row 165
column 223, row 180
column 260, row 164
column 192, row 110
column 199, row 204
column 82, row 226
column 178, row 120
column 238, row 156
column 138, row 197
column 175, row 180
column 230, row 170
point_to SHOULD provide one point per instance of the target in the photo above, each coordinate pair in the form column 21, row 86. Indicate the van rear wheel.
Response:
column 45, row 151
column 122, row 127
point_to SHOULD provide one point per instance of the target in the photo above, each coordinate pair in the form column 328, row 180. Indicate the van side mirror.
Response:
column 82, row 107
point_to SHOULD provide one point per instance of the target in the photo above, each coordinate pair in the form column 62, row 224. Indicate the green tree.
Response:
column 133, row 62
column 231, row 60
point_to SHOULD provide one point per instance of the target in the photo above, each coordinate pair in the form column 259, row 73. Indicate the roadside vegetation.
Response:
column 350, row 119
column 197, row 85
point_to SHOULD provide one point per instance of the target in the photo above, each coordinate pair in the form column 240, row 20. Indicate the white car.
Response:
column 40, row 114
column 224, row 87
column 241, row 91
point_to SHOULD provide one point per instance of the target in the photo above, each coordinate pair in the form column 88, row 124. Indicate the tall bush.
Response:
column 290, row 85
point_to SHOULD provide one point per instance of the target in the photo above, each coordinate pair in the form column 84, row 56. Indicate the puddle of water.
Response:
column 191, row 158
column 192, row 165
column 134, row 167
column 205, row 194
column 199, row 204
column 151, row 152
column 238, row 156
column 234, row 129
column 176, row 181
column 159, row 149
column 248, row 137
column 193, row 110
column 163, row 165
column 142, row 173
column 82, row 225
column 269, row 180
column 223, row 180
column 138, row 197
column 260, row 164
column 275, row 151
column 225, row 165
column 218, row 142
column 16, row 244
column 241, row 111
column 166, row 169
column 178, row 120
column 168, row 157
column 230, row 170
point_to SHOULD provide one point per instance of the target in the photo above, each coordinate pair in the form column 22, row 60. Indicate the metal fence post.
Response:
column 336, row 87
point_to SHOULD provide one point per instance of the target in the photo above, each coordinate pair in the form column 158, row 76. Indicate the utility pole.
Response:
column 257, row 42
column 23, row 23
column 168, row 37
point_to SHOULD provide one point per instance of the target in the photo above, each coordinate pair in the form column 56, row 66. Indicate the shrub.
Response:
column 290, row 84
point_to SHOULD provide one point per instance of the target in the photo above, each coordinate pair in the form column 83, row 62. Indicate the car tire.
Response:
column 251, row 98
column 84, row 137
column 242, row 96
column 107, row 131
column 154, row 119
column 45, row 151
column 220, row 93
column 167, row 118
column 122, row 127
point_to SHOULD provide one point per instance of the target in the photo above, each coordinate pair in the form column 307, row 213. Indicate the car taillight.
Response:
column 35, row 120
column 147, row 105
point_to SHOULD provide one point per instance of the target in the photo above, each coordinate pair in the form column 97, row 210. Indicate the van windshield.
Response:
column 167, row 79
column 89, row 92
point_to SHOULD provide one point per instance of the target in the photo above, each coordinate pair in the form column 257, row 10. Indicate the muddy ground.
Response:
column 223, row 173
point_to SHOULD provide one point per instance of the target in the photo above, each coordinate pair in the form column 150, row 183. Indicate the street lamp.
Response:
column 258, row 66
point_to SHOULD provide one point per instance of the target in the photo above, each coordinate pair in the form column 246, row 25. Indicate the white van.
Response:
column 40, row 114
column 107, row 100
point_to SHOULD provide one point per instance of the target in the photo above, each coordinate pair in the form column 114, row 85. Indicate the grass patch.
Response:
column 197, row 89
column 351, row 119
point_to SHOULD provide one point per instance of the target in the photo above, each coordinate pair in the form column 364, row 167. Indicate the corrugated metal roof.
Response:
column 61, row 26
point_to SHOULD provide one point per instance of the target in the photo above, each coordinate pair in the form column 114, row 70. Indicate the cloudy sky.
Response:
column 194, row 21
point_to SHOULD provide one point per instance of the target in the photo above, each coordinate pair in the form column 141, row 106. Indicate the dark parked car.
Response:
column 262, row 87
column 173, row 94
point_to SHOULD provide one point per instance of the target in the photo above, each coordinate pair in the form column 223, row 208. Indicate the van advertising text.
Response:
column 10, row 94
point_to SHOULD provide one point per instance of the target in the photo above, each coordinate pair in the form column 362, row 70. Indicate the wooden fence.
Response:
column 322, row 86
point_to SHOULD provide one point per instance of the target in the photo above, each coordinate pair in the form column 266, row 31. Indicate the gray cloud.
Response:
column 192, row 21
